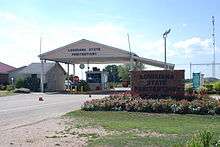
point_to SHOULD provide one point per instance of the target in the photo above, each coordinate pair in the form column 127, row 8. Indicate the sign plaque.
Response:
column 158, row 83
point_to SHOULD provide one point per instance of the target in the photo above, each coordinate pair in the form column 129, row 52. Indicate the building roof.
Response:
column 17, row 69
column 35, row 68
column 4, row 68
column 85, row 51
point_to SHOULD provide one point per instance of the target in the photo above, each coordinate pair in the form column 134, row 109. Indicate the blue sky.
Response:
column 61, row 22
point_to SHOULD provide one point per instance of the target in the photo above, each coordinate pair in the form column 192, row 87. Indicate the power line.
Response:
column 201, row 64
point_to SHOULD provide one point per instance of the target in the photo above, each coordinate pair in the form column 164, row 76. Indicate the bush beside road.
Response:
column 5, row 93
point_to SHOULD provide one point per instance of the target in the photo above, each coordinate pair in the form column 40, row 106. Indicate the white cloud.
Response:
column 19, row 38
column 102, row 32
column 194, row 45
column 154, row 49
column 6, row 16
column 184, row 25
column 189, row 43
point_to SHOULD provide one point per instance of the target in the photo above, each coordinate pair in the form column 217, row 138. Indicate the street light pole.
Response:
column 165, row 53
column 165, row 48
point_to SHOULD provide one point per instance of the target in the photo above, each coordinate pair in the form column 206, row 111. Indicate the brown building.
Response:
column 4, row 71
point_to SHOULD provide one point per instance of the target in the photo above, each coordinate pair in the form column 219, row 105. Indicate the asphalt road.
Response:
column 25, row 109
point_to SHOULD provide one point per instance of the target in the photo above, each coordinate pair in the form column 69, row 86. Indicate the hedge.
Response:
column 125, row 102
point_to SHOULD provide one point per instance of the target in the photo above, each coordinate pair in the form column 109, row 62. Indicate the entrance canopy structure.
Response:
column 89, row 52
column 85, row 51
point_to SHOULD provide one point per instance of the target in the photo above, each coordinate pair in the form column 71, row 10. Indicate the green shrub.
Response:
column 2, row 87
column 210, row 87
column 217, row 108
column 202, row 90
column 217, row 86
column 194, row 142
column 202, row 105
column 216, row 143
column 182, row 107
column 19, row 83
column 202, row 139
column 206, row 137
column 10, row 87
column 189, row 89
column 84, row 84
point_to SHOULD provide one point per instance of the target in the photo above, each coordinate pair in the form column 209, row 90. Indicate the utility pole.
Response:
column 129, row 45
column 165, row 47
column 42, row 69
column 213, row 39
column 131, row 60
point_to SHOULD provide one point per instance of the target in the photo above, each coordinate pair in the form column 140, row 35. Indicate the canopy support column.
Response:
column 74, row 70
column 68, row 72
column 42, row 76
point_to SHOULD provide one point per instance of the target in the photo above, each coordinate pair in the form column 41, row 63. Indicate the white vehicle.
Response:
column 70, row 83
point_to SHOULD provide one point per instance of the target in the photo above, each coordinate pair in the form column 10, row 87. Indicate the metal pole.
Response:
column 42, row 76
column 165, row 53
column 129, row 45
column 190, row 70
column 42, row 69
column 165, row 48
column 131, row 60
column 213, row 38
column 74, row 70
column 68, row 70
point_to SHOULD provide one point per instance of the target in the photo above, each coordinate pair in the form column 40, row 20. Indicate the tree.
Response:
column 19, row 83
column 124, row 70
column 84, row 84
column 112, row 73
column 138, row 66
column 217, row 86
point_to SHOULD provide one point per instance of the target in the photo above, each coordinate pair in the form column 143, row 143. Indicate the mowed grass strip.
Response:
column 172, row 129
column 5, row 93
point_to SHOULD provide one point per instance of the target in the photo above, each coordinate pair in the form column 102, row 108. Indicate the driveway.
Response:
column 25, row 109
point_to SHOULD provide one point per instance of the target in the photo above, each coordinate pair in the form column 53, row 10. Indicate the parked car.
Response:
column 70, row 83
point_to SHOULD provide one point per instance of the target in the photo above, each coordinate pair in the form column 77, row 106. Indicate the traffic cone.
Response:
column 40, row 98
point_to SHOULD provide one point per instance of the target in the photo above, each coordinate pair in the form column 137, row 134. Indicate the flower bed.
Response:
column 125, row 102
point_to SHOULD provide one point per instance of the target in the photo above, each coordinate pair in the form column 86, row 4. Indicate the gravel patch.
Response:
column 41, row 134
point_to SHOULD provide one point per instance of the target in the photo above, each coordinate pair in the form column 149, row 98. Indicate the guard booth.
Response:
column 97, row 79
column 89, row 52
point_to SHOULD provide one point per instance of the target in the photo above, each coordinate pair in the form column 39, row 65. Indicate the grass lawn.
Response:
column 5, row 93
column 144, row 129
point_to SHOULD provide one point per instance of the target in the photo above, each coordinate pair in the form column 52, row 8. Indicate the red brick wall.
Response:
column 158, row 83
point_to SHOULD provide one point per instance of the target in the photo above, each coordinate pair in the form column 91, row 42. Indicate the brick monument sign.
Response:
column 158, row 83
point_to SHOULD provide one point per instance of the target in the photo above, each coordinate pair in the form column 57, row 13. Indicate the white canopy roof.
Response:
column 85, row 51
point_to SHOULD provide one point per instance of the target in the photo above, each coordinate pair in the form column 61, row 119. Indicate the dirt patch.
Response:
column 80, row 130
column 151, row 134
column 62, row 132
column 147, row 133
column 43, row 133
